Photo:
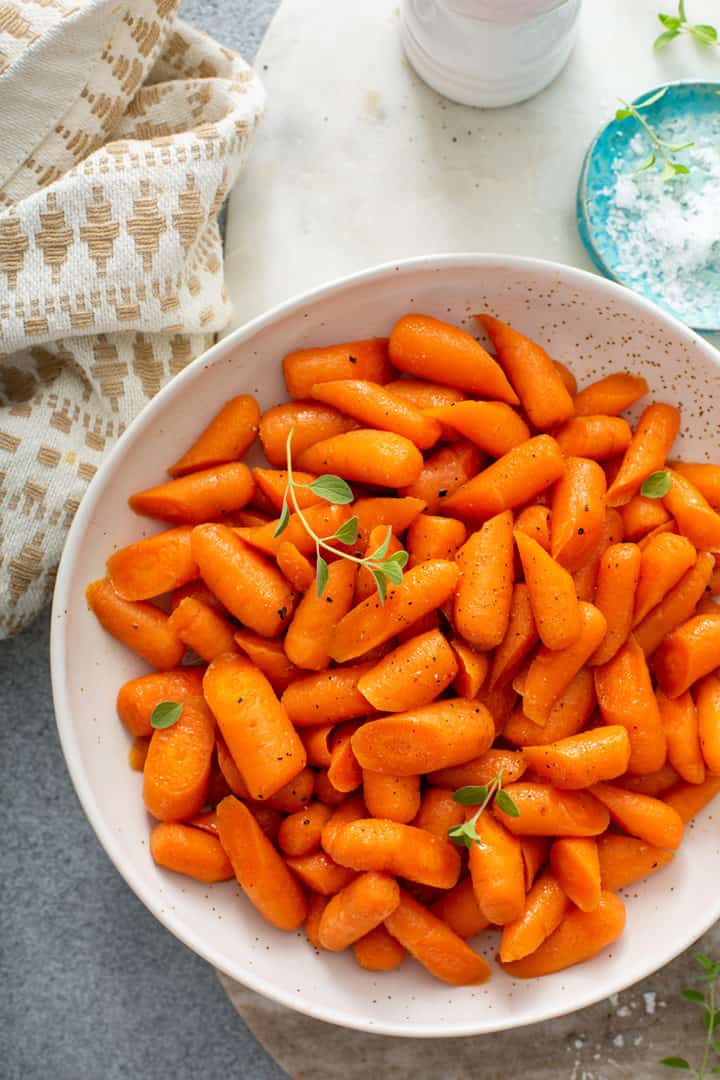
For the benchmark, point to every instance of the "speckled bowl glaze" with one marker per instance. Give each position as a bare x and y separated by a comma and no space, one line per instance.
590,323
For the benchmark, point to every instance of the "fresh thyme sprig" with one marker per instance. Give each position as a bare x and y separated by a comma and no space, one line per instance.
662,148
333,489
709,975
674,25
480,795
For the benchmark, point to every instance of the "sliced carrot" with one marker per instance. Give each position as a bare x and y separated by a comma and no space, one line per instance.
367,359
177,767
136,699
344,772
371,457
520,637
625,696
402,850
307,641
586,577
295,566
434,537
641,516
320,873
643,816
581,760
534,520
535,850
497,871
611,395
269,656
299,833
511,481
552,671
689,799
412,675
576,866
543,911
309,422
316,904
695,516
154,565
438,812
295,794
228,436
434,944
688,653
481,770
384,511
459,909
197,497
323,518
491,425
137,754
396,798
424,395
618,574
327,697
546,811
625,860
198,590
357,909
705,477
677,606
578,512
654,435
378,951
273,485
189,851
472,669
483,597
580,935
654,783
374,406
202,628
352,808
596,437
568,716
443,473
664,561
136,623
567,377
707,697
680,724
551,591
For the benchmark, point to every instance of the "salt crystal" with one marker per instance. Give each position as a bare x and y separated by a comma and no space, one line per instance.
649,999
618,1041
623,1011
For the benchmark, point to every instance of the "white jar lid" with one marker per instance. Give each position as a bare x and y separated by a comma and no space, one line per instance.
502,11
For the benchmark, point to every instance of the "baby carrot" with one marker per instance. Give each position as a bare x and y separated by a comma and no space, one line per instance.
295,794
189,851
654,783
514,479
371,457
537,381
198,590
226,438
412,675
434,944
695,516
177,767
316,904
552,671
249,585
378,951
596,437
202,628
481,608
357,909
611,395
154,565
481,770
688,653
654,435
443,473
581,760
430,349
551,591
586,577
138,624
580,935
665,559
546,811
136,699
137,754
543,911
320,873
459,909
402,850
497,871
254,724
272,483
260,870
197,497
299,833
569,381
422,394
618,575
689,799
625,859
434,537
423,589
677,606
568,716
680,723
365,584
576,866
396,798
344,772
268,655
381,511
352,808
365,359
643,816
578,512
323,518
535,850
491,425
309,422
705,477
327,697
375,407
625,696
534,520
520,637
307,641
438,812
642,516
707,697
431,737
472,669
295,566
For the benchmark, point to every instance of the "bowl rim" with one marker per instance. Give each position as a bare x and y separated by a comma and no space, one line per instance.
59,644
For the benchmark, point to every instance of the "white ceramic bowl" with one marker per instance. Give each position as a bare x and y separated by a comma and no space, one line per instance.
593,325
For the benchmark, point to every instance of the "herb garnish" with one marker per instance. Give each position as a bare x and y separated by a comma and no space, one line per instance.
657,484
165,714
480,795
662,148
709,975
674,25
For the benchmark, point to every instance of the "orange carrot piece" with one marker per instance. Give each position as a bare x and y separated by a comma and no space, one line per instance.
676,607
272,484
500,702
443,473
189,851
366,359
551,591
372,513
669,526
695,516
374,406
654,783
228,437
534,521
611,395
596,437
299,833
177,767
688,653
357,909
434,537
520,637
249,585
654,435
316,904
586,577
641,516
327,697
705,477
543,911
424,395
568,716
320,873
481,770
512,480
491,425
533,374
459,909
689,799
664,561
643,816
295,566
309,422
497,871
295,794
552,671
371,457
352,808
434,944
365,584
197,497
344,772
576,865
136,623
535,850
323,518
618,575
307,641
481,608
625,696
202,628
153,566
438,812
578,512
580,935
396,798
546,811
412,675
567,377
625,860
268,655
680,723
472,669
378,951
582,760
136,699
137,754
198,590
393,848
707,697
430,349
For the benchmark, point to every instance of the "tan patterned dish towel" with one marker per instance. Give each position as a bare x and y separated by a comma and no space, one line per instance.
121,132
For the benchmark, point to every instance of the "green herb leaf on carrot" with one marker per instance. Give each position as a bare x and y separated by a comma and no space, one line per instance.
480,795
165,714
657,484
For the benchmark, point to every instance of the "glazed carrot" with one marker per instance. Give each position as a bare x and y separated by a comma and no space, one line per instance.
375,512
578,512
272,483
714,584
625,696
192,852
546,811
424,395
309,422
680,723
365,584
136,699
551,672
197,497
228,436
580,935
248,584
344,772
357,909
316,743
586,577
443,473
459,909
374,406
491,425
138,624
677,606
695,516
434,537
665,559
533,374
307,642
581,760
320,873
378,951
481,770
198,590
689,799
323,518
617,578
568,716
576,865
434,944
260,870
520,637
402,850
412,675
365,359
430,349
472,669
396,798
707,605
543,911
551,592
431,737
669,526
534,850
295,566
534,521
654,783
154,565
512,480
254,724
641,516
228,768
688,653
707,698
137,754
500,702
316,904
295,794
423,589
327,697
643,816
299,833
596,437
610,395
654,435
202,628
352,808
625,859
439,812
205,820
371,457
497,871
567,377
481,608
269,656
703,476
177,767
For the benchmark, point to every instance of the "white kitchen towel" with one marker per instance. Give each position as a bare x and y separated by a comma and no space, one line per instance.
121,131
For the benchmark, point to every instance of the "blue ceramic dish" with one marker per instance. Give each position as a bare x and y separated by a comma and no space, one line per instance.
660,238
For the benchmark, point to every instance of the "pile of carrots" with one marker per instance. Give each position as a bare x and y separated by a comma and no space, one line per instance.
554,634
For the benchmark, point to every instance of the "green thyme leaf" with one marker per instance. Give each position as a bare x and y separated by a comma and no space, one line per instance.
284,520
623,114
675,1063
379,554
504,802
665,38
165,714
399,557
381,583
657,485
464,834
348,531
707,35
471,794
692,995
393,572
332,489
321,574
670,22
